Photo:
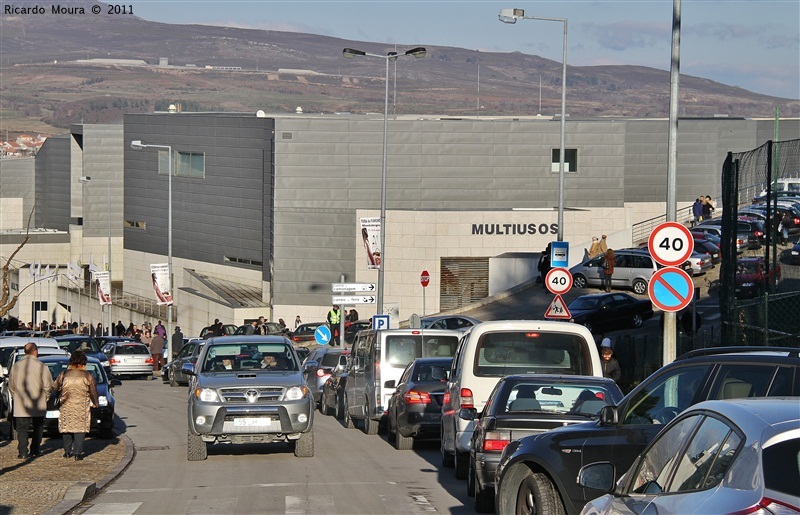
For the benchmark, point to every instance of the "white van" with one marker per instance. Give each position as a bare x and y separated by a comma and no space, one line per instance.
379,356
9,344
492,350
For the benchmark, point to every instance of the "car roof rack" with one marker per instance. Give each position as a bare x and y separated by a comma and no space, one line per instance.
793,352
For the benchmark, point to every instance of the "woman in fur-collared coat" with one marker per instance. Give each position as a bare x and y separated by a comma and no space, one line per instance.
78,391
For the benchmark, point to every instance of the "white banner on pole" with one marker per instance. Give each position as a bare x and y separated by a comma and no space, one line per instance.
371,237
102,281
161,283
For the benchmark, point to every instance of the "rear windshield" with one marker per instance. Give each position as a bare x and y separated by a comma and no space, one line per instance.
783,472
87,345
531,352
403,349
92,368
132,349
249,356
330,359
574,399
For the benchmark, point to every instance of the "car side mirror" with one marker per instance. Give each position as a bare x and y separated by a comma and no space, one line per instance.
188,369
390,384
597,476
609,416
310,365
467,413
115,382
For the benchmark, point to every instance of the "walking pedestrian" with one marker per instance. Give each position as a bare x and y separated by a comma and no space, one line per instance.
334,317
157,351
177,341
697,211
30,383
78,391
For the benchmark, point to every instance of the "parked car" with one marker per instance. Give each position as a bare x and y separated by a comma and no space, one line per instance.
794,254
707,236
457,322
271,327
701,263
599,312
305,332
351,330
131,359
752,277
227,329
10,344
319,366
415,407
523,405
544,467
188,354
87,344
237,399
491,350
12,355
703,246
331,401
739,456
381,355
102,416
633,269
744,238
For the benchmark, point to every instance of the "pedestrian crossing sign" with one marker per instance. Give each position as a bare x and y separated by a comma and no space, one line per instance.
558,309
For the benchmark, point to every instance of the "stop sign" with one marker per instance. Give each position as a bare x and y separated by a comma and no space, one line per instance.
425,278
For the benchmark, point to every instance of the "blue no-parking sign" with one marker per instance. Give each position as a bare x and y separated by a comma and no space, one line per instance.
322,335
670,289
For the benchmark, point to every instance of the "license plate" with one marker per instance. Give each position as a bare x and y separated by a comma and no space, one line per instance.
251,422
132,360
52,414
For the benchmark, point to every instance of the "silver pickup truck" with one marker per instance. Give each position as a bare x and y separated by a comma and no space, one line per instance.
248,389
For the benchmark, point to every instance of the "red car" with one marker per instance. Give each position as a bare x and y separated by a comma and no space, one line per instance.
752,278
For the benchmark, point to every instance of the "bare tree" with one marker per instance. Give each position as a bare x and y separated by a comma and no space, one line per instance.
7,304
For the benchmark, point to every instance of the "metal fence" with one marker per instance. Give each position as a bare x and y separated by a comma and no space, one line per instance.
772,315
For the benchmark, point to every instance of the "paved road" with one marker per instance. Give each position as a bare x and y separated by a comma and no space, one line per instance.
350,472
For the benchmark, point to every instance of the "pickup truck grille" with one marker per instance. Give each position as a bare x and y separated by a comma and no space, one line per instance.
252,394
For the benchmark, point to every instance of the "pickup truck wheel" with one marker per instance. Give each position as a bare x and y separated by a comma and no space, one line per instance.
304,446
172,382
348,420
537,495
471,479
370,426
462,464
448,460
339,408
196,449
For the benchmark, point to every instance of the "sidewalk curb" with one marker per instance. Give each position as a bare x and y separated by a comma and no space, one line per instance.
85,490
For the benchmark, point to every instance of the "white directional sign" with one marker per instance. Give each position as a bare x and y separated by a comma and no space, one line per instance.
354,287
558,280
353,299
670,244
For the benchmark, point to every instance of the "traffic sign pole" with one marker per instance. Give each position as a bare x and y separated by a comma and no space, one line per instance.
424,279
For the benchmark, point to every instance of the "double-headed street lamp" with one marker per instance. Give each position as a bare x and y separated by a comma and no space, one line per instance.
350,53
138,145
86,180
511,16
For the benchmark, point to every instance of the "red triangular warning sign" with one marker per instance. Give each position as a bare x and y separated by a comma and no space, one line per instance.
557,309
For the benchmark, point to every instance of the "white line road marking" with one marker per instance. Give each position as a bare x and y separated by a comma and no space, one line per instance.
311,504
258,485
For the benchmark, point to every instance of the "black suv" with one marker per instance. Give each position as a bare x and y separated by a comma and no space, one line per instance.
546,465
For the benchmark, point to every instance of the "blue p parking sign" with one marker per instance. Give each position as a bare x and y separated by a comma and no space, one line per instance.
380,322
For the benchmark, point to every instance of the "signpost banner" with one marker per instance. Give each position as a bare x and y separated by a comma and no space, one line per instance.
102,281
351,287
371,238
161,283
352,299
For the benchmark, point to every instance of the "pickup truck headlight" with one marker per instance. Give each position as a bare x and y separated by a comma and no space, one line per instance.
105,364
206,395
102,400
295,393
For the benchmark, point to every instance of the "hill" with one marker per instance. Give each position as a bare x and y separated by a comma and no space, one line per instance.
46,86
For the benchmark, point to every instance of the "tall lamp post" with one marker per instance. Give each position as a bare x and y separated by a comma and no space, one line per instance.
86,180
350,53
511,16
138,145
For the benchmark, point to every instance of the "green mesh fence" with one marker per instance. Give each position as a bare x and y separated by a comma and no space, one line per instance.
759,288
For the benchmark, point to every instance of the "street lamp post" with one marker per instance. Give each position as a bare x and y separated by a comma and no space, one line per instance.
86,180
138,145
511,16
350,53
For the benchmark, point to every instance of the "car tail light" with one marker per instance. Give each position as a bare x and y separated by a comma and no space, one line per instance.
466,398
767,506
115,361
758,234
321,373
415,397
446,399
149,360
496,441
796,221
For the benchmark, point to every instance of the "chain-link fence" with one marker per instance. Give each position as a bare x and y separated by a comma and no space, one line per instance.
759,287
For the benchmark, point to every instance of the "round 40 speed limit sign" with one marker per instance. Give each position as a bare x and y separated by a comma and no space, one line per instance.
558,280
671,244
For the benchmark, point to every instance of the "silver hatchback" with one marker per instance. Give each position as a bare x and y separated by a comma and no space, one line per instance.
129,359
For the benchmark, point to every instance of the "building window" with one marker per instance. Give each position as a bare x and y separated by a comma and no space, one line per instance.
135,224
570,159
241,261
185,164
